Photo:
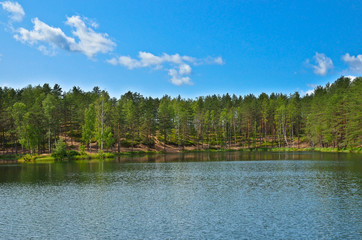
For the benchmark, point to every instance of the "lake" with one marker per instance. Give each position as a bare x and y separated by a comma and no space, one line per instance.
235,195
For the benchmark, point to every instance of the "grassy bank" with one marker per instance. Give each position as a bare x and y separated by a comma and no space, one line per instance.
76,156
344,150
109,155
283,149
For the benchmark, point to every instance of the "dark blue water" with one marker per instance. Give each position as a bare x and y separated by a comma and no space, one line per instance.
192,196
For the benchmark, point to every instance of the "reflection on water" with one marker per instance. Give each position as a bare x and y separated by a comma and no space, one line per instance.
196,195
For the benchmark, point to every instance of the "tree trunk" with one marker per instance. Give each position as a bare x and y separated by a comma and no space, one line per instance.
119,137
3,142
265,133
102,125
164,145
292,136
49,140
248,136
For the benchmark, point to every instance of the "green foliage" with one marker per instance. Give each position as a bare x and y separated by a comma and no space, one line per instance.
128,143
165,116
89,124
60,151
148,142
33,118
28,158
82,150
71,154
109,155
108,137
101,154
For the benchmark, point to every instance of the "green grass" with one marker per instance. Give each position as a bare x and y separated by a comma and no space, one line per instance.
282,149
27,158
345,150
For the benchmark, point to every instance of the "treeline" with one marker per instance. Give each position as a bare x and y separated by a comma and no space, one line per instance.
33,119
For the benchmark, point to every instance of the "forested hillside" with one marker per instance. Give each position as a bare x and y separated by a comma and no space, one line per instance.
34,118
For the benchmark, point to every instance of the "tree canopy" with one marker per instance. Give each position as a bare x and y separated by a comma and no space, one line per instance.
34,118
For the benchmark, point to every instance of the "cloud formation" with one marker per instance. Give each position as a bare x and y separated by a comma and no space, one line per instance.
354,62
42,32
322,64
89,42
84,39
352,78
15,9
177,66
180,76
309,92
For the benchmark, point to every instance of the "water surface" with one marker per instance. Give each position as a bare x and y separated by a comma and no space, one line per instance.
185,196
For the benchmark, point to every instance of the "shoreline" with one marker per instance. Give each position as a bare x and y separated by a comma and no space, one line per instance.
24,158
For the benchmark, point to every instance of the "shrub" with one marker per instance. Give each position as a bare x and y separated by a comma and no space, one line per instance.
138,139
28,158
109,155
82,150
213,142
70,154
189,143
128,143
60,151
148,142
101,154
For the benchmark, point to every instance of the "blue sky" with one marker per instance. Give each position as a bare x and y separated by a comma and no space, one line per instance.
175,47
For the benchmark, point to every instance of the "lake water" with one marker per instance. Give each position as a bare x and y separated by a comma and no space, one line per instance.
185,196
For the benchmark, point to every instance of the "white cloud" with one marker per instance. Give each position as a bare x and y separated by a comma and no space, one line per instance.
352,78
90,42
188,59
148,59
47,51
211,60
113,61
322,64
185,69
178,66
308,92
15,9
178,78
129,62
312,85
219,60
47,34
354,62
181,76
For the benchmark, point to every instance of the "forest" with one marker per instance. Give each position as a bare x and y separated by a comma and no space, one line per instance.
35,118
